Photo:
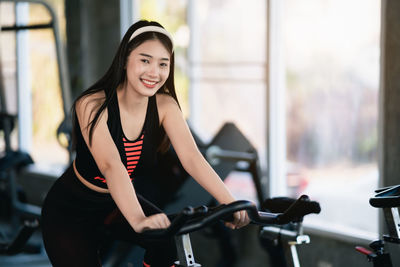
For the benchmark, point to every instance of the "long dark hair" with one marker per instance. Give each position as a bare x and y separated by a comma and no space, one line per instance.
116,75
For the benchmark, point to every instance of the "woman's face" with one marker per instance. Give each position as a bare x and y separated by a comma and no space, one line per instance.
147,67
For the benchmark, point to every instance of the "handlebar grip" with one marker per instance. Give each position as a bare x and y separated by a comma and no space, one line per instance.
301,207
220,212
277,204
179,220
177,223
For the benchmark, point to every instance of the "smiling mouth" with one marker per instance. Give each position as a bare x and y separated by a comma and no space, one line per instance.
149,83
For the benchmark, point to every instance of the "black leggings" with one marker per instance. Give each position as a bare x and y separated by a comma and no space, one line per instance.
74,228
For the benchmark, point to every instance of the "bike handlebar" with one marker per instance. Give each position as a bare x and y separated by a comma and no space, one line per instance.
191,219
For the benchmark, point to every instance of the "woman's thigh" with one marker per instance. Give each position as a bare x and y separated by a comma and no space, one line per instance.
71,246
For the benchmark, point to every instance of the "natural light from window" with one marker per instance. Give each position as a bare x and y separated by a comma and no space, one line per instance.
331,53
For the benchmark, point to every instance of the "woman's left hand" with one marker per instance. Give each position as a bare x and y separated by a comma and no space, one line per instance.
240,219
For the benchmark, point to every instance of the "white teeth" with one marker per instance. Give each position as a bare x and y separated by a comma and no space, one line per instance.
149,82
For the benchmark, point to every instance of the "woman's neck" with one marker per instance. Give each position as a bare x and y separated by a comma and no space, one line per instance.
130,100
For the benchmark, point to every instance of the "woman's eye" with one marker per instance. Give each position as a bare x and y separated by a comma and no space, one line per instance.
145,60
164,65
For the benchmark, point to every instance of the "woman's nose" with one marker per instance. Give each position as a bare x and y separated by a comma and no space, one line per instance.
153,70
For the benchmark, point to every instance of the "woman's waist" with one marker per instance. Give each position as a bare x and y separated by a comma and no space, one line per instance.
88,184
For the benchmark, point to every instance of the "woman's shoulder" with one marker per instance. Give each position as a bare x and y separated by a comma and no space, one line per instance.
91,101
165,101
166,104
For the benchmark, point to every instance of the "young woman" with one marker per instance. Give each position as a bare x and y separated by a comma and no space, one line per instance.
120,124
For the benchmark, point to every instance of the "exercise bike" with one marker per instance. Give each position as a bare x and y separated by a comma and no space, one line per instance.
388,199
280,241
193,219
23,216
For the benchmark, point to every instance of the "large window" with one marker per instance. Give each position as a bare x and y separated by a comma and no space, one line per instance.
331,54
228,75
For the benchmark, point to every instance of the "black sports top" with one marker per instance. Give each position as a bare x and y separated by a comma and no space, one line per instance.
138,156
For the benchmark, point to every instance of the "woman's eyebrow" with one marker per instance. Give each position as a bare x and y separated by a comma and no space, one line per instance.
149,56
145,55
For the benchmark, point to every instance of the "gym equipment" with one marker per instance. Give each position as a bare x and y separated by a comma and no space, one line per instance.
13,161
193,219
24,217
15,246
17,208
65,128
280,241
388,199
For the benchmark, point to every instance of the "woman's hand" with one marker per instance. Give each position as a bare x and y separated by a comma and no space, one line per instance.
240,219
156,221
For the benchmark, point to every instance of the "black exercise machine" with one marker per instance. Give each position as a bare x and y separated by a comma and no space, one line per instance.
23,217
385,251
281,240
193,219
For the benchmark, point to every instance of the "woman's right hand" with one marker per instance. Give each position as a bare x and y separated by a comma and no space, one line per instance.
156,221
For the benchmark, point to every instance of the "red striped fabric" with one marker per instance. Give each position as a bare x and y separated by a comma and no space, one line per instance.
133,153
133,150
126,143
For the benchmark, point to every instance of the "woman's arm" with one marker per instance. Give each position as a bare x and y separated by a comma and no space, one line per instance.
189,155
108,160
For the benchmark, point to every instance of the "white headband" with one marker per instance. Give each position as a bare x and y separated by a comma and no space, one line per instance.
151,29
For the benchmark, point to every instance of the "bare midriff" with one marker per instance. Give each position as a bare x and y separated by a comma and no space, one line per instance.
88,184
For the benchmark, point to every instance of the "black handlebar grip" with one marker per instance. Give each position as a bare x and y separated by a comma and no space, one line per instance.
277,204
301,207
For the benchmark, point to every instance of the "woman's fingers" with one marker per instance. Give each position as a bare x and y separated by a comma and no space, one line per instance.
160,221
240,219
244,219
156,221
230,225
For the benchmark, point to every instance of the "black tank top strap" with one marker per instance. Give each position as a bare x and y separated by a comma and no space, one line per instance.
114,121
152,119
